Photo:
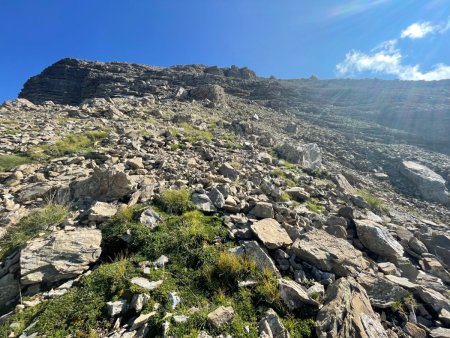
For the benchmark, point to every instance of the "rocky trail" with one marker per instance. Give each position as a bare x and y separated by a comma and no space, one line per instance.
197,201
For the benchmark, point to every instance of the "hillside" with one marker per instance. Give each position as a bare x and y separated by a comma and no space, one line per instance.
196,201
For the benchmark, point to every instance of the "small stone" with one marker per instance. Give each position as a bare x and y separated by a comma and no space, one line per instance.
135,163
116,308
141,320
139,301
294,295
221,316
150,218
228,171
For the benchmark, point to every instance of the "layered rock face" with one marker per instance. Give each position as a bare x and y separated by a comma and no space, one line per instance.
71,81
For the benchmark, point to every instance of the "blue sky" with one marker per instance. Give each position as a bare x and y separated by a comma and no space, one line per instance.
389,39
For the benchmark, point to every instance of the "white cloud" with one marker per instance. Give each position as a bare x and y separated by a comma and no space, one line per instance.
418,30
387,59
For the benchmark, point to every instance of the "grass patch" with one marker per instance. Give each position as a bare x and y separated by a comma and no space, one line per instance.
177,146
70,144
176,201
200,269
7,122
192,134
286,164
314,206
372,200
8,162
285,197
299,328
277,173
37,221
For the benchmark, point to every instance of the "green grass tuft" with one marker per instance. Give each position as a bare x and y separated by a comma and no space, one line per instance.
314,206
37,221
176,201
372,200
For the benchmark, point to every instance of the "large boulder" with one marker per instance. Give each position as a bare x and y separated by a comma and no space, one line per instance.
262,210
329,253
211,92
347,313
271,234
106,184
429,184
60,255
438,245
309,155
377,239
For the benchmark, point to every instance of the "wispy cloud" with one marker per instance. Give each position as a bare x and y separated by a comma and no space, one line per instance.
353,7
387,58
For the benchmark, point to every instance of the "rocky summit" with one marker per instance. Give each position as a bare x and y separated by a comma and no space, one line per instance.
197,201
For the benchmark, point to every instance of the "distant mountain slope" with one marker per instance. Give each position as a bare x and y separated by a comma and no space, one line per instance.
419,110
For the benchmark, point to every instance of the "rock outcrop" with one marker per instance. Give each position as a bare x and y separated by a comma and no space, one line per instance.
347,313
61,255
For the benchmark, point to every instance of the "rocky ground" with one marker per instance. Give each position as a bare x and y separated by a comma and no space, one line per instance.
180,205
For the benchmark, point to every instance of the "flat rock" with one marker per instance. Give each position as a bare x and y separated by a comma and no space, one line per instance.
309,155
440,332
145,283
433,298
329,253
228,171
203,203
271,234
60,255
150,218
